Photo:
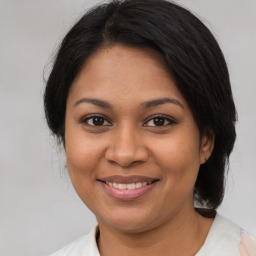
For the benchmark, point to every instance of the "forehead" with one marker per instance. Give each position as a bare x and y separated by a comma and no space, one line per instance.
125,73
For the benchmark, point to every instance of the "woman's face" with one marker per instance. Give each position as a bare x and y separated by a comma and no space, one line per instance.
132,146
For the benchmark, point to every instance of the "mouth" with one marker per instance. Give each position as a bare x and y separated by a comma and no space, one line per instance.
129,185
127,188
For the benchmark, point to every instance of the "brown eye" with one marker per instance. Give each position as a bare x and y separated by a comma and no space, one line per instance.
96,121
159,121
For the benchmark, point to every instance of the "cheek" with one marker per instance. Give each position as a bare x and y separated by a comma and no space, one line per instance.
80,149
82,161
179,158
83,156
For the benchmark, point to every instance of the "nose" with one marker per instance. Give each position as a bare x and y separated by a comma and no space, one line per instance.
126,148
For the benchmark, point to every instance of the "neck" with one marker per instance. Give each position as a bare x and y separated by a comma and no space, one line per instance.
184,235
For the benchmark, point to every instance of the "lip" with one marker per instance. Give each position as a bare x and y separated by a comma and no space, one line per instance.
127,194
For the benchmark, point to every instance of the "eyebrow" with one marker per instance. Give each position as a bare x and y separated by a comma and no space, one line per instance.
97,102
156,102
147,104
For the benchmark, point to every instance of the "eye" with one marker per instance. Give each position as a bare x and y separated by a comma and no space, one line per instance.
159,121
96,120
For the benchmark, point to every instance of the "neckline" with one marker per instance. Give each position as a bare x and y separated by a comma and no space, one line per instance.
209,235
223,237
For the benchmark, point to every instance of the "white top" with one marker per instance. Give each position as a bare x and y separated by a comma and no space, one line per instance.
223,239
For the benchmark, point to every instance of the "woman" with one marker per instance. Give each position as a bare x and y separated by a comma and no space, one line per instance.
140,97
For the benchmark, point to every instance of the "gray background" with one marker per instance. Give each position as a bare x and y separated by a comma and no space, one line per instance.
39,211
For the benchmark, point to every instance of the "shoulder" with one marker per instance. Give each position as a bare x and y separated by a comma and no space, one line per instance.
84,245
74,248
224,230
225,239
247,245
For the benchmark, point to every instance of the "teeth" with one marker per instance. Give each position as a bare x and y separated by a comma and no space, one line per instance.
128,186
131,186
122,186
138,185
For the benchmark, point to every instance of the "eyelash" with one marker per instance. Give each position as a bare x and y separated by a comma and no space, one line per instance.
166,119
91,117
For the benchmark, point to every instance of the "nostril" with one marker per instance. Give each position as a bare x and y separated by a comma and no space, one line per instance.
126,157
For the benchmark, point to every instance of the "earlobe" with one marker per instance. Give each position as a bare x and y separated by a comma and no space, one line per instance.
206,147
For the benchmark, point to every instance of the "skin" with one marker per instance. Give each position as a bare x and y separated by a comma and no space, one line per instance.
130,143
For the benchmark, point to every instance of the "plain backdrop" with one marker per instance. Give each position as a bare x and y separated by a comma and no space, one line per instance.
39,210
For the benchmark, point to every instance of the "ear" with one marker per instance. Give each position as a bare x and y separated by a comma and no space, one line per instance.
206,146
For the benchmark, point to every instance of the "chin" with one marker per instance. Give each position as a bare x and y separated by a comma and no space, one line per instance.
130,223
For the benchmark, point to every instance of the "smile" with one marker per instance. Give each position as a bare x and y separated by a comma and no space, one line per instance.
127,188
